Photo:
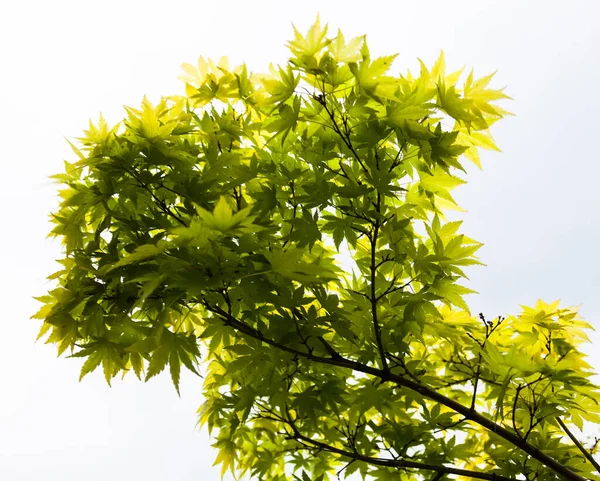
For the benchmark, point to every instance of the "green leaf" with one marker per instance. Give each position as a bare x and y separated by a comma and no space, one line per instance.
290,265
141,253
137,364
312,43
175,369
281,90
91,363
222,218
158,361
346,52
453,104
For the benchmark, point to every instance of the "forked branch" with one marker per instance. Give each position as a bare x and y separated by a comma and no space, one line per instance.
425,391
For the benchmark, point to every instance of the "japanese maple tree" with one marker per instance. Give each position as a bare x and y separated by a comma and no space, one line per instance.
290,227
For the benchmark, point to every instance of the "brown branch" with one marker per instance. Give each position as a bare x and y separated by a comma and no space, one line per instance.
425,391
392,463
294,211
476,383
584,451
345,138
514,411
376,325
391,289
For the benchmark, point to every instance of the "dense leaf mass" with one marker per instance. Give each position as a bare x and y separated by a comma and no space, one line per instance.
293,225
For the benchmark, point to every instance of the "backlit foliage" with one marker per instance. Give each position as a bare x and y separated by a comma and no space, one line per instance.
216,218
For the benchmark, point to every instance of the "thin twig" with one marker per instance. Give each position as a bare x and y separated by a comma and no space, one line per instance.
161,203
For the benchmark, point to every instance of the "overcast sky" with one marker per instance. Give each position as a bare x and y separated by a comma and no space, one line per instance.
535,205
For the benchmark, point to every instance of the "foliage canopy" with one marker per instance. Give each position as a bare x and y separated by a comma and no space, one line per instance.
217,219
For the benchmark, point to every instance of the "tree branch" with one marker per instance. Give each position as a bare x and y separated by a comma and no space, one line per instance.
475,383
425,391
376,326
391,289
161,203
336,128
584,451
390,463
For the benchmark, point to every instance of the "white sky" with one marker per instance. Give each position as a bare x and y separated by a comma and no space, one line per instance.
535,205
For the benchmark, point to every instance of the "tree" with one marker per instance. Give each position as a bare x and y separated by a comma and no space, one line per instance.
293,224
